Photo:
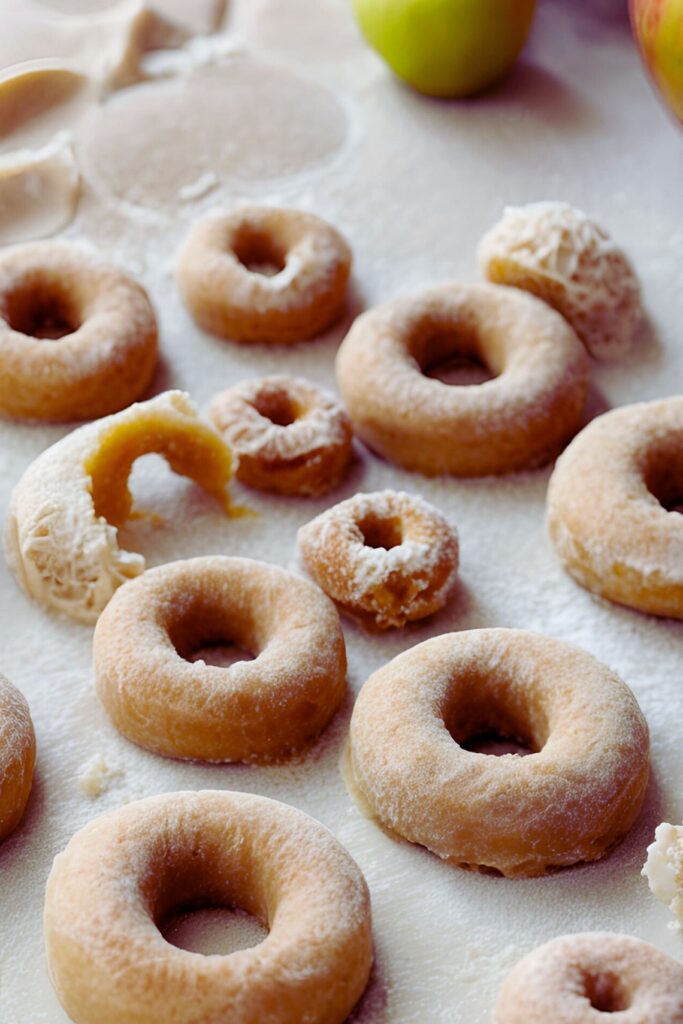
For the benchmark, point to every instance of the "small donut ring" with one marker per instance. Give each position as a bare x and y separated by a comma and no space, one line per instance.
519,420
61,531
252,711
289,436
580,979
387,557
570,800
608,507
17,756
122,875
106,350
221,274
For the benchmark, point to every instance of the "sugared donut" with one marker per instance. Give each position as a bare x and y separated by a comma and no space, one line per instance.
558,253
17,756
387,557
78,337
664,869
570,800
288,435
264,274
580,979
121,876
609,502
61,530
251,711
522,418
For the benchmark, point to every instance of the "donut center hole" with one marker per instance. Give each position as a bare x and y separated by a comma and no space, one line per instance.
460,370
41,312
276,406
605,993
380,532
451,354
664,477
496,743
486,716
220,655
212,930
258,252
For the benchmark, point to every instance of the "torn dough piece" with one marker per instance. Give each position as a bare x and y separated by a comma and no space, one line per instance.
664,869
61,530
38,191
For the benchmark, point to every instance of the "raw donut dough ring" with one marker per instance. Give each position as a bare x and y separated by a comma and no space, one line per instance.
522,418
227,298
607,507
289,436
17,756
107,358
569,801
256,710
60,534
387,557
126,871
580,979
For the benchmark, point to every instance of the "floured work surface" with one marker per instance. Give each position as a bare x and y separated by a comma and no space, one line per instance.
289,107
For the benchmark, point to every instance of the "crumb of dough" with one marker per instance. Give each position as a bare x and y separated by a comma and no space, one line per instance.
97,776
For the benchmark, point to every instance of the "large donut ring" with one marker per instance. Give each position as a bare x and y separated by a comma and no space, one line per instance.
103,349
387,557
60,535
17,756
570,800
222,274
252,711
608,507
521,419
289,436
580,979
121,876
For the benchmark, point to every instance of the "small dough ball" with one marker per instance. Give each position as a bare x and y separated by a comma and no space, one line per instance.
558,253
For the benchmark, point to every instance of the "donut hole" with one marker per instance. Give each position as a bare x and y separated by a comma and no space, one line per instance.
258,251
489,716
41,310
220,655
605,993
277,406
202,633
496,743
451,353
212,930
381,531
663,474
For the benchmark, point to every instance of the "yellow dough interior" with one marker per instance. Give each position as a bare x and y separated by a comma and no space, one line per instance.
191,449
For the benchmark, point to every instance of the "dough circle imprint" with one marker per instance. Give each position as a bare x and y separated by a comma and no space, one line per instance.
570,800
289,436
387,557
608,507
17,756
122,875
580,979
522,418
251,711
222,274
78,337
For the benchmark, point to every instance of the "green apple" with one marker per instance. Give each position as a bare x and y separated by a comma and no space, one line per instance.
447,48
658,28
